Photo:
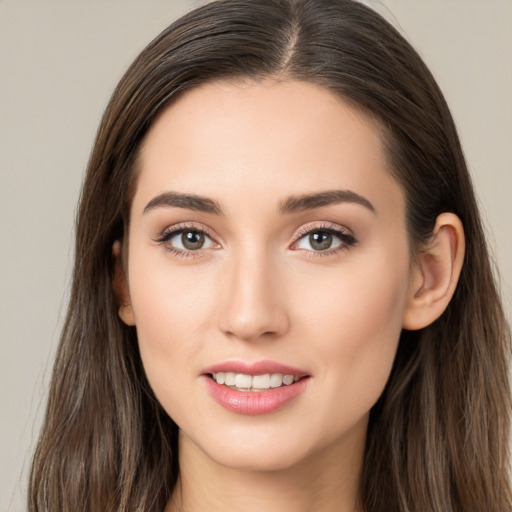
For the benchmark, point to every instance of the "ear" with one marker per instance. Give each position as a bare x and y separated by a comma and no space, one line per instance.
436,273
120,286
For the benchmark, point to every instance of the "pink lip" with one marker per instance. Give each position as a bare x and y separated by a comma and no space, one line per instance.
258,368
253,403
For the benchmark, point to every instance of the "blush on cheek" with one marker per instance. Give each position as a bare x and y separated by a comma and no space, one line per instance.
368,323
170,333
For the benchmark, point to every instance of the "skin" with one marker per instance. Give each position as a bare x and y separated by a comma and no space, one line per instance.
258,290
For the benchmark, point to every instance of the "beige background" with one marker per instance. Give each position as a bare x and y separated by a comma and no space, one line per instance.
59,61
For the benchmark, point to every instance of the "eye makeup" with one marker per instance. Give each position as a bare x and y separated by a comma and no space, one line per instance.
190,240
324,240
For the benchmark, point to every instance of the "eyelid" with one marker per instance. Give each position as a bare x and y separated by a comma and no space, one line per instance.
171,231
185,226
321,226
343,233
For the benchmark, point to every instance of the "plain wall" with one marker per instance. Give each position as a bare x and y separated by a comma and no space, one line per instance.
59,62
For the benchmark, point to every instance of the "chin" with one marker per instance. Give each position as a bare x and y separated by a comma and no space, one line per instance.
255,460
249,451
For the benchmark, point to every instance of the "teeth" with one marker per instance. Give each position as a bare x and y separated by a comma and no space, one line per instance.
253,382
288,379
261,381
276,380
243,381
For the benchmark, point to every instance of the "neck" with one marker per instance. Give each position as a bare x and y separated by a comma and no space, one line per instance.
327,481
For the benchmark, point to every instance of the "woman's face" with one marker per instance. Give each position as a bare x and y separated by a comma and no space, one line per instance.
267,242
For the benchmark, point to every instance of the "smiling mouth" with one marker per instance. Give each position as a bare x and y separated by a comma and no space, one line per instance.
245,382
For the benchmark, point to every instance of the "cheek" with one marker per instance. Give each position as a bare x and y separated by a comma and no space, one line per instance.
171,310
355,326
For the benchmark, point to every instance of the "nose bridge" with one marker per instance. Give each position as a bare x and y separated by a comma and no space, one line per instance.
254,305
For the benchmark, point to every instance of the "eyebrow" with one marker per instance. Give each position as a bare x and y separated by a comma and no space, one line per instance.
310,201
292,204
187,201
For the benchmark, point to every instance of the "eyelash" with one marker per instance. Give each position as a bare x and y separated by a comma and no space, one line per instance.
170,233
345,236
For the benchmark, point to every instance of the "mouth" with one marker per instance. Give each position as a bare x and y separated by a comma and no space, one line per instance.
254,388
254,383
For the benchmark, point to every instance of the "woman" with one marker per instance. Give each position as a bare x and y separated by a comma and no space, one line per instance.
282,296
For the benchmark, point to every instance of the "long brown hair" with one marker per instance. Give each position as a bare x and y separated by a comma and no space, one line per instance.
438,436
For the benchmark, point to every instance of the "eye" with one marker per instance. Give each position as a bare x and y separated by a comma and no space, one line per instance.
190,240
185,240
324,240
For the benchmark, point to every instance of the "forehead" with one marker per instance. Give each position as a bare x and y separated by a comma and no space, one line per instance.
226,139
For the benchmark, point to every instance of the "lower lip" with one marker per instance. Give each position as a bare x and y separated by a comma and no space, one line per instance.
252,403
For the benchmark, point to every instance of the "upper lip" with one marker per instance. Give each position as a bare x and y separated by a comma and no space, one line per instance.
256,368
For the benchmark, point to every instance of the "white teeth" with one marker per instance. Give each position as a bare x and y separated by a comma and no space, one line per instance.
288,379
261,381
276,380
254,382
243,381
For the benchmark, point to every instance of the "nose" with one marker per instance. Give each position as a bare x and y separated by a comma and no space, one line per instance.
254,306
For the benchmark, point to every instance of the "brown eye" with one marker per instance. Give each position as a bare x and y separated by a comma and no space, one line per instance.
186,240
320,240
324,240
192,240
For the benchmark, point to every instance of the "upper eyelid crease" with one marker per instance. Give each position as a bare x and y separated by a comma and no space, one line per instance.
341,232
335,228
180,228
344,234
302,232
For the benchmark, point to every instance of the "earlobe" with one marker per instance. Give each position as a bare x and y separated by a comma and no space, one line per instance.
120,286
436,273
